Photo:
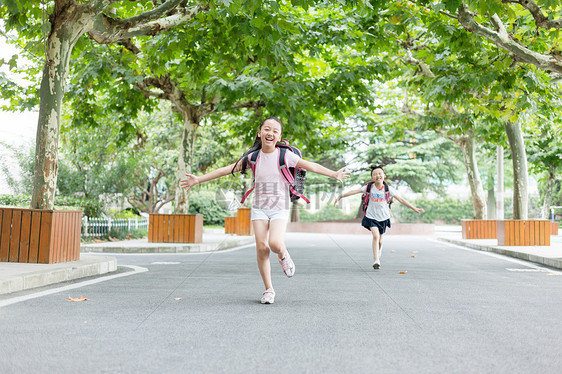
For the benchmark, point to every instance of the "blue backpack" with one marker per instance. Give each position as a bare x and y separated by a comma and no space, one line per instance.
294,176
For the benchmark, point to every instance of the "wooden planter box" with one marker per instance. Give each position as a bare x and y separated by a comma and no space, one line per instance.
39,236
524,233
553,228
230,225
175,228
479,229
239,225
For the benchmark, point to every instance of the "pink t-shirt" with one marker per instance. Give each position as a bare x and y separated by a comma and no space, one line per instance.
272,191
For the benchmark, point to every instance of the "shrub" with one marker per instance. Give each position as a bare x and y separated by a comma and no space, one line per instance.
20,201
448,210
204,202
91,208
327,213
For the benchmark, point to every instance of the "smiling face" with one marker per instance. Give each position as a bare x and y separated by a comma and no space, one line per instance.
270,134
377,176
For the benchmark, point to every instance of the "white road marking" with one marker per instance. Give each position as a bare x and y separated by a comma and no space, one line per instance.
528,270
174,253
499,256
19,299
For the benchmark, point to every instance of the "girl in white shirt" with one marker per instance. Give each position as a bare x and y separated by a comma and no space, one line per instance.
270,208
377,212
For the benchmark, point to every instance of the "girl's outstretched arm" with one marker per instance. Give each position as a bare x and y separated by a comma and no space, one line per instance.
192,180
346,194
317,168
405,202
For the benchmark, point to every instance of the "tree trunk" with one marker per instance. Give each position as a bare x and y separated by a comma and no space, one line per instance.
295,211
66,27
500,214
520,172
491,204
547,201
185,160
467,146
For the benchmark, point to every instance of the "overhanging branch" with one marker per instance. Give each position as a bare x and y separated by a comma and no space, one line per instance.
501,38
107,30
541,20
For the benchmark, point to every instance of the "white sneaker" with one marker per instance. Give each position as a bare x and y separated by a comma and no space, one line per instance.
377,265
288,265
268,296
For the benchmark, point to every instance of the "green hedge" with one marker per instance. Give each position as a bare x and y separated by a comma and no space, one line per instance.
91,208
204,202
447,210
327,213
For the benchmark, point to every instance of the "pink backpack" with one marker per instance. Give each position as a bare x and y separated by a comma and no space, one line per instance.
294,176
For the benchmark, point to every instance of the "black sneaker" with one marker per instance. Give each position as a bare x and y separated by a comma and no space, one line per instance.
377,265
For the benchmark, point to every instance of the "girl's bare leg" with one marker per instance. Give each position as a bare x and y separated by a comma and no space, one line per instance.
277,229
261,231
376,239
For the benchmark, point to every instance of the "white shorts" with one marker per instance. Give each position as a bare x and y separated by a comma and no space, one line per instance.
270,214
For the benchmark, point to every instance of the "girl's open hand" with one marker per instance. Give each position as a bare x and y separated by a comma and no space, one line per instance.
189,182
342,174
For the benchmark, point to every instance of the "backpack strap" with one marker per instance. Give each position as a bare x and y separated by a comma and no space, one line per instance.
283,166
387,194
252,161
366,196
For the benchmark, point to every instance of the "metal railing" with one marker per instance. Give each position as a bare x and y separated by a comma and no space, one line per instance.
98,227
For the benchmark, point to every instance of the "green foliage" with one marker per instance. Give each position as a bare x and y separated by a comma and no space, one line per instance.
119,234
19,201
446,210
327,213
25,159
204,202
90,208
122,214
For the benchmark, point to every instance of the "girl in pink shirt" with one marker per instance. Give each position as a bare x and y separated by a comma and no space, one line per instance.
270,208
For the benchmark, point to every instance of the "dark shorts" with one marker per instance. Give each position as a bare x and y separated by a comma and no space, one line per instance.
381,225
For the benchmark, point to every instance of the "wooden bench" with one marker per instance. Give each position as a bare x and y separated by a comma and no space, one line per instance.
554,228
479,229
524,232
175,228
39,236
239,225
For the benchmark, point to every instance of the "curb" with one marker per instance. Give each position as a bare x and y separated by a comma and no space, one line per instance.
38,275
552,262
119,247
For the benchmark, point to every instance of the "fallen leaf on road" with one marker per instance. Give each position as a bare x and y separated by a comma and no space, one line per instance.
81,298
413,256
414,251
392,251
403,272
177,298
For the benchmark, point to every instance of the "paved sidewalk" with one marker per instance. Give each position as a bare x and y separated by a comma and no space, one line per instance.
15,277
213,240
545,255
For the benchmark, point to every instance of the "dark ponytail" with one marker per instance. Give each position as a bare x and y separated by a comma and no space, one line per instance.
255,147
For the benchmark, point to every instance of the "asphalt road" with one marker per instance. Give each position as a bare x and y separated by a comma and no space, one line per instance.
452,310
